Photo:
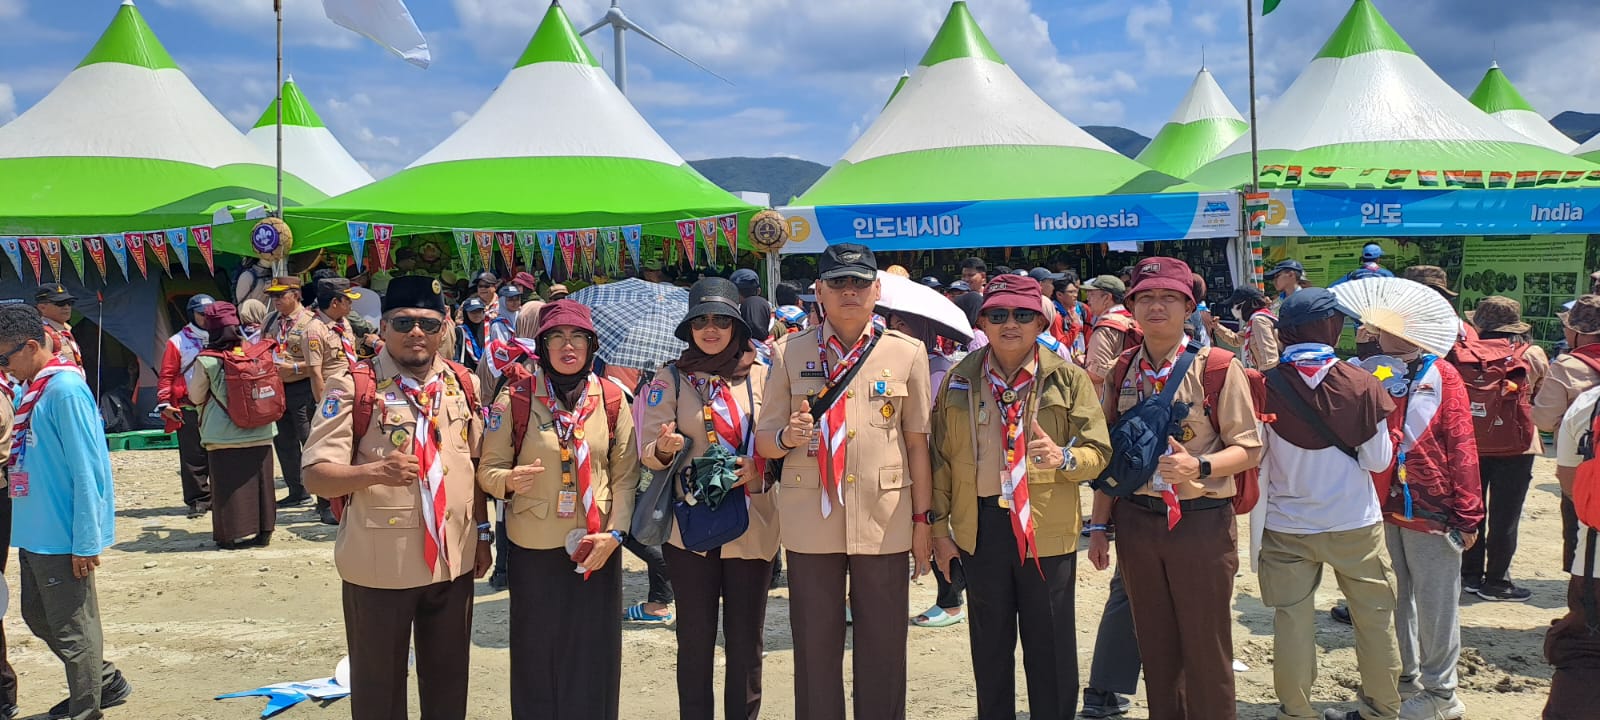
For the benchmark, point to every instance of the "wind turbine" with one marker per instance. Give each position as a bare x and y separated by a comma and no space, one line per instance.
620,24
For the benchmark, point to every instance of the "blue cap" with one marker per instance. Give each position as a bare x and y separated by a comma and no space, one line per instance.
960,285
199,302
509,291
1309,305
1372,251
745,277
472,304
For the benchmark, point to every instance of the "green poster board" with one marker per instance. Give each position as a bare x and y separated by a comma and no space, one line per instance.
1541,272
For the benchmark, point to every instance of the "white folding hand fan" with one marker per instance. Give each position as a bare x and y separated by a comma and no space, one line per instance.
1408,309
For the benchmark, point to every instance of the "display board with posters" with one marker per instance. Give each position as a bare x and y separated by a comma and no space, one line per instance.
1327,259
1542,272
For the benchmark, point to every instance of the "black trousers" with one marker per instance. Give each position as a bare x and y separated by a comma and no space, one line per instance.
566,637
880,588
194,464
1569,533
738,588
1505,487
951,590
1007,595
8,675
656,564
293,429
1115,667
378,627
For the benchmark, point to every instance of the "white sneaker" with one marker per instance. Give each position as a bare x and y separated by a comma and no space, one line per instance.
1428,706
1410,687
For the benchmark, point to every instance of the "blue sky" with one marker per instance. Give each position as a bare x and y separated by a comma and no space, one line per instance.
809,75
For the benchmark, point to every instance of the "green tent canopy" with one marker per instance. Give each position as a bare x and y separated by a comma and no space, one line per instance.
1204,124
126,142
964,127
1497,96
556,146
1366,106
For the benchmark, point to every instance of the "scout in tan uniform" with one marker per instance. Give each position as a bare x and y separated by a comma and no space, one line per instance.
338,345
571,490
55,304
1177,544
410,542
291,326
715,387
1009,489
854,519
1257,340
1112,322
1571,373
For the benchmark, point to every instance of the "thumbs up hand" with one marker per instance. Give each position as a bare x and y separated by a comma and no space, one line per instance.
800,427
1043,452
1178,465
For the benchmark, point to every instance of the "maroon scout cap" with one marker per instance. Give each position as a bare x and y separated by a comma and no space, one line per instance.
1018,292
1162,273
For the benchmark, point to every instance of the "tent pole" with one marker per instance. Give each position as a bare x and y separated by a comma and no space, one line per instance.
1250,41
277,6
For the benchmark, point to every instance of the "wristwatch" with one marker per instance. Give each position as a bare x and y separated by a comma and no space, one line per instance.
485,534
1068,462
1205,466
924,518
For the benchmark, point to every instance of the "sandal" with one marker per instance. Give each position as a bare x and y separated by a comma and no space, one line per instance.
936,617
637,613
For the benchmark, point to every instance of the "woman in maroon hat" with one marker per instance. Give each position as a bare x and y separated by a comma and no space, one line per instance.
569,481
243,510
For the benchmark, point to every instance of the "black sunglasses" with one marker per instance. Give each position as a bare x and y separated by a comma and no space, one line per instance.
852,283
1000,316
404,325
5,360
721,322
62,303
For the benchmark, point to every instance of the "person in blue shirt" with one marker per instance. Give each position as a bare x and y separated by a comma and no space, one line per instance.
59,479
1370,255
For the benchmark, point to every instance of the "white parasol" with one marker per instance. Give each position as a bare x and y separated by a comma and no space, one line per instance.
907,297
1410,310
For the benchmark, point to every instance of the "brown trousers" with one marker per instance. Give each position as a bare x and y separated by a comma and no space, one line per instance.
1180,584
566,637
1575,653
378,627
739,587
880,588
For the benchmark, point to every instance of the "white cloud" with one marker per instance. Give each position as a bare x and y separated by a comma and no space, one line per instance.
12,9
8,104
304,22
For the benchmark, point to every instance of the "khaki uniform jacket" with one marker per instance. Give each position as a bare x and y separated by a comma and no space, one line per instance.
533,521
876,517
328,348
381,538
302,335
1237,417
63,344
666,401
967,426
8,414
1567,379
1264,349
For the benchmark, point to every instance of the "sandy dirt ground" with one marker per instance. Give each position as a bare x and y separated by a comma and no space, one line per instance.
186,622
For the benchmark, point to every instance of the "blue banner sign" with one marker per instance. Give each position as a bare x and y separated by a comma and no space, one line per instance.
1419,213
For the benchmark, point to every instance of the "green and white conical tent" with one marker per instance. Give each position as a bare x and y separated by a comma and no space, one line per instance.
556,146
1589,150
1497,96
1367,105
126,142
1204,124
964,127
310,151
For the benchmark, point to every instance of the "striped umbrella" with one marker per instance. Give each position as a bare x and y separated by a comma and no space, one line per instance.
635,321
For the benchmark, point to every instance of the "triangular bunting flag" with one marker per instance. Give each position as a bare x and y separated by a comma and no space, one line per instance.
588,241
74,247
686,230
52,252
382,242
157,241
358,241
569,248
97,253
633,237
611,249
730,234
464,250
13,249
547,248
508,249
527,241
179,238
136,251
119,251
30,247
708,236
485,240
202,240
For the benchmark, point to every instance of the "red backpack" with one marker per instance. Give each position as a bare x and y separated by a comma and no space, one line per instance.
522,391
1497,376
250,375
1132,336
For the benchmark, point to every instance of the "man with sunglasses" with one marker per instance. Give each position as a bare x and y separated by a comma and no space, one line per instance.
59,479
55,306
415,529
857,488
299,356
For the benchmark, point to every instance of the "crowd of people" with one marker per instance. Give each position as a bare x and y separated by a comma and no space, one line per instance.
485,438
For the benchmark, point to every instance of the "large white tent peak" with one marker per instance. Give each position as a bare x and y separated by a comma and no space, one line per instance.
1497,96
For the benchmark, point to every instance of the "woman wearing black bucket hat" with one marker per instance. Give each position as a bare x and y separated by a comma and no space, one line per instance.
714,390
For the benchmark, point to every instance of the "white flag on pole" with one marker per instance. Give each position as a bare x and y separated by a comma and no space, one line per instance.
385,22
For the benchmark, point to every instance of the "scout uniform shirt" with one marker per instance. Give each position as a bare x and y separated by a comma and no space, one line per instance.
1568,378
327,346
1257,342
666,400
969,449
299,339
62,344
1105,343
383,533
1235,410
541,518
889,396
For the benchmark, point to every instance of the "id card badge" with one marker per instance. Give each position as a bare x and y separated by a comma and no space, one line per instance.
18,486
567,504
1008,487
815,444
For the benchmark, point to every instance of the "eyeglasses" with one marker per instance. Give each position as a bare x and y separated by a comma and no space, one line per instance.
405,324
850,283
721,322
1001,316
5,360
577,340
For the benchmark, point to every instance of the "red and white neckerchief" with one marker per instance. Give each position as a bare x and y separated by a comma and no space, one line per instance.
1312,360
66,345
569,430
830,462
726,417
425,442
1158,379
503,354
191,340
1014,481
346,343
1249,330
282,328
23,420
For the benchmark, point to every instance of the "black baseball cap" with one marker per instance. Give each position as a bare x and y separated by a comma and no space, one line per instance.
1309,305
847,260
1043,274
1286,265
52,293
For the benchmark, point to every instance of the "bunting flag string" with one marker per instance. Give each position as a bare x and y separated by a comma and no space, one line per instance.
52,252
730,234
708,236
157,241
569,248
527,241
358,232
179,239
485,241
136,251
202,240
74,247
686,238
118,242
633,237
97,252
13,248
464,249
587,241
547,249
383,240
508,249
30,247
